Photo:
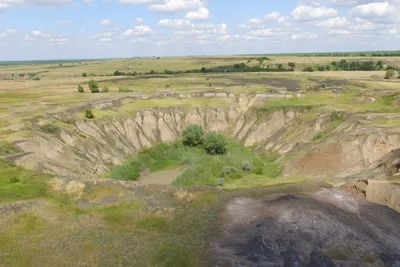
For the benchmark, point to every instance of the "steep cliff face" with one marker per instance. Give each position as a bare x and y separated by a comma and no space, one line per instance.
91,147
350,150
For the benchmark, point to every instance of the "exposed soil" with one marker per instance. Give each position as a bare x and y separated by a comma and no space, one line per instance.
290,85
162,177
327,228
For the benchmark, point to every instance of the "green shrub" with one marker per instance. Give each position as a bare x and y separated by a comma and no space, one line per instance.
216,144
89,114
124,90
390,74
205,171
48,128
84,74
247,166
228,170
308,69
193,135
220,182
127,172
94,86
14,180
258,170
80,89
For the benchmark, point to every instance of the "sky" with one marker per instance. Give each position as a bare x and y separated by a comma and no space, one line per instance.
73,29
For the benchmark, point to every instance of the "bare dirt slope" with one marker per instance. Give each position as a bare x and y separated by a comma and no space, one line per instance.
325,229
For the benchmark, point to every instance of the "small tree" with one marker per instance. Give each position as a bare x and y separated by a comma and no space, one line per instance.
94,86
308,69
106,89
292,65
193,135
84,74
89,114
216,144
390,74
80,89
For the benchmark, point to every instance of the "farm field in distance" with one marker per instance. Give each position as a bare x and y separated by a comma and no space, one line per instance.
94,170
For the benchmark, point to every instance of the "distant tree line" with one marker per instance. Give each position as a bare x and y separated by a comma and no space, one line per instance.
242,67
353,54
344,65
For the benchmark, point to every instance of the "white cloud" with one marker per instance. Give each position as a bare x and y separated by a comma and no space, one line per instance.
224,38
254,21
59,41
139,21
39,34
308,13
102,35
338,32
267,32
374,10
106,39
139,2
258,23
333,22
349,3
203,33
7,33
304,36
40,3
63,21
273,16
165,42
202,13
105,22
174,23
141,30
170,6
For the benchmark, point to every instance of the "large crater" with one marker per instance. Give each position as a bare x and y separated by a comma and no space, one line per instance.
315,143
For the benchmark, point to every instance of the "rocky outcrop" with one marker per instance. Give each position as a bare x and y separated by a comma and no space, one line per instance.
380,192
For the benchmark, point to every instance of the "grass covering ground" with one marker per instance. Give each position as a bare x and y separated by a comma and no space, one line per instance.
200,168
17,183
129,233
349,101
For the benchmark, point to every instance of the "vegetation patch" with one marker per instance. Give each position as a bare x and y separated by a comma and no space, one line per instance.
153,224
285,105
49,128
336,121
124,90
173,254
17,183
7,148
206,166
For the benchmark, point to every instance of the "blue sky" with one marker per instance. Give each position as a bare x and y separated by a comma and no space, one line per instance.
64,29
